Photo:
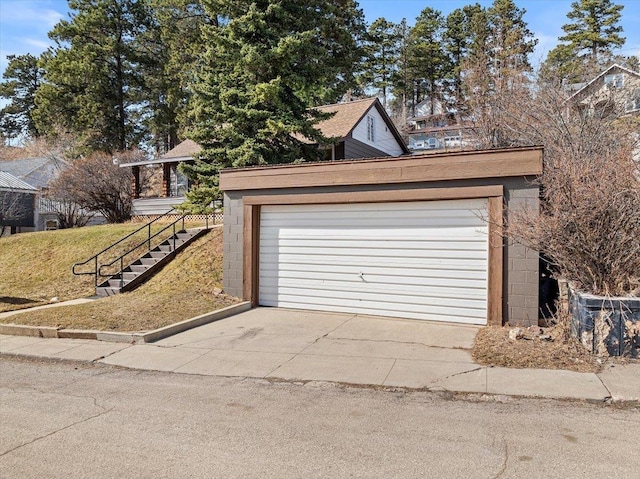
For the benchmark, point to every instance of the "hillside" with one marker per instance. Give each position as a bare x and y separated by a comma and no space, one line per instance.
37,267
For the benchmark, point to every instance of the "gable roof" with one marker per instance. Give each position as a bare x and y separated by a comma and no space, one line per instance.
349,114
10,182
346,117
601,75
185,149
21,168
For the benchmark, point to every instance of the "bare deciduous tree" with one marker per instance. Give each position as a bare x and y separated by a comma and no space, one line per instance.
589,221
97,183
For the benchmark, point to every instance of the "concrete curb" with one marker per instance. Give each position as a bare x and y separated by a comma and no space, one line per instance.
146,337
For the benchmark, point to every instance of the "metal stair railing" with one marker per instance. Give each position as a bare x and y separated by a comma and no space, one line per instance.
97,267
147,241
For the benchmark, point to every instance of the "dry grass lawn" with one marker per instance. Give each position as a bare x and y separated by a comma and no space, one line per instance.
36,267
492,347
187,287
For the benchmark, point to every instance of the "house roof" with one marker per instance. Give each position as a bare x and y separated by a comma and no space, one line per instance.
185,149
601,75
21,168
341,124
347,116
10,182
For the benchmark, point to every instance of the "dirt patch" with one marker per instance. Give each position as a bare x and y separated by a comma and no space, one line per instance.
493,347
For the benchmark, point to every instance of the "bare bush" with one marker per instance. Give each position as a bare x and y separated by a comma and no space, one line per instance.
97,183
589,221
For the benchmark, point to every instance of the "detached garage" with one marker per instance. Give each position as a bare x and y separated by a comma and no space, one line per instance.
415,237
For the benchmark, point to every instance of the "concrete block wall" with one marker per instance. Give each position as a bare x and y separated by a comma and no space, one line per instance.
232,244
521,266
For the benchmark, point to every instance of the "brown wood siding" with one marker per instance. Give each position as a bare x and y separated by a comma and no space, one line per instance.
357,149
405,169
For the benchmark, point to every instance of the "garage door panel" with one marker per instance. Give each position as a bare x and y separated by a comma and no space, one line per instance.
440,251
372,276
423,260
453,244
409,311
344,263
337,287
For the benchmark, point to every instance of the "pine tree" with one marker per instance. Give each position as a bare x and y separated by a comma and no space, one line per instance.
382,49
429,62
266,65
510,41
401,83
22,77
588,42
168,52
497,69
459,37
594,31
93,81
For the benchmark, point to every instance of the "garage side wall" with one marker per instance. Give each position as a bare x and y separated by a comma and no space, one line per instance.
520,264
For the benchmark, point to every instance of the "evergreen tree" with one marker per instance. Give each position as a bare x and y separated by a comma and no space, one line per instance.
401,83
595,31
497,69
460,35
510,40
588,43
168,52
93,78
22,79
428,61
266,65
382,49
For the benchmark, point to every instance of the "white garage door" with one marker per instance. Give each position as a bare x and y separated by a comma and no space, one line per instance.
420,260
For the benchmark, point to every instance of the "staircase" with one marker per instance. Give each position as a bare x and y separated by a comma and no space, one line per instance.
149,253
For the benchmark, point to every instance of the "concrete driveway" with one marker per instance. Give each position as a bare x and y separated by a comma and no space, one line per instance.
313,346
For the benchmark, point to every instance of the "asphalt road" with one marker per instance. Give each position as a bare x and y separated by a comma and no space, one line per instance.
87,421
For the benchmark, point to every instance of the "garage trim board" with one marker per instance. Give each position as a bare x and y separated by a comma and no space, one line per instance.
489,198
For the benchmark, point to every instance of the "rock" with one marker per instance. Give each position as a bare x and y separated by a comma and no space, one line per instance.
54,299
534,330
545,337
217,291
516,333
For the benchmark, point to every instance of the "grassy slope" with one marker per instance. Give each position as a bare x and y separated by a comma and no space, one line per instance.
185,288
35,267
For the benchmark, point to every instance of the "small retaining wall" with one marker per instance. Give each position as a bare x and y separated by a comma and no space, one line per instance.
606,324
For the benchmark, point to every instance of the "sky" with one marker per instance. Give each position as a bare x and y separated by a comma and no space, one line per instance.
24,24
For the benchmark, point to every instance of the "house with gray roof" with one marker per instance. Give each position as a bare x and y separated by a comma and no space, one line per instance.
17,204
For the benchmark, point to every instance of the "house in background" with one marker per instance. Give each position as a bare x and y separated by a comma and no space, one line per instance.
360,129
173,185
616,88
435,128
17,205
38,172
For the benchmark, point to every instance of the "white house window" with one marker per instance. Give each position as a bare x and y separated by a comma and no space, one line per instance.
371,129
178,182
614,81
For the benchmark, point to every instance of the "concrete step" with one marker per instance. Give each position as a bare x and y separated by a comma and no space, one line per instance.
137,268
104,291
